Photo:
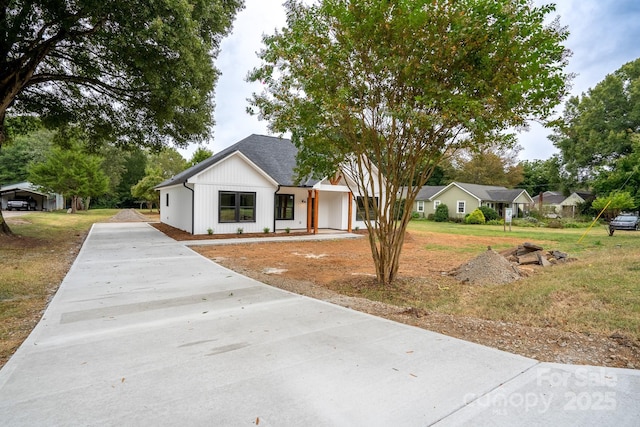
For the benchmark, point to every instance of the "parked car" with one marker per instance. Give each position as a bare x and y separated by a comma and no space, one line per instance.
21,204
624,222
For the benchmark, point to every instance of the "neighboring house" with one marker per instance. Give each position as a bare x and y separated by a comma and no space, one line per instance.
28,191
570,204
423,198
551,203
250,185
462,199
556,204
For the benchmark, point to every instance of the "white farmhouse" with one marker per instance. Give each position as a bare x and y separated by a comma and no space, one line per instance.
250,186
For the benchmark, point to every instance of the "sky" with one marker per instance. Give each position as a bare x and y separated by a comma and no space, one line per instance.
604,35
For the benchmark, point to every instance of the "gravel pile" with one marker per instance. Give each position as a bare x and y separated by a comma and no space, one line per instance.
488,268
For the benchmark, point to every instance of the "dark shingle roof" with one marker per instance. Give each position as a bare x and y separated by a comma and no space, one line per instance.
491,193
505,196
550,198
427,191
275,156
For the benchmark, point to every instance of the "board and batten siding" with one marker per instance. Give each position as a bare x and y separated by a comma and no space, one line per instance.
299,221
233,173
177,212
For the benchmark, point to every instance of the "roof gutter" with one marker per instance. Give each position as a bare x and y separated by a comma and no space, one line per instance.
184,184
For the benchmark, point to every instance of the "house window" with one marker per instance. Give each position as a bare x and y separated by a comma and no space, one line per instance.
462,206
420,206
436,203
236,206
167,199
360,211
284,206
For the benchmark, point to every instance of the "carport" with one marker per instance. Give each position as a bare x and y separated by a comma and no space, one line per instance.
26,191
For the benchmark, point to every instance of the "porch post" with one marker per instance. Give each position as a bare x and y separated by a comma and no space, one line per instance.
309,200
350,211
315,217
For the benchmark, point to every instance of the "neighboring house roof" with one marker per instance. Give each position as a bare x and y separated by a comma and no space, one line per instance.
275,156
428,191
584,195
550,198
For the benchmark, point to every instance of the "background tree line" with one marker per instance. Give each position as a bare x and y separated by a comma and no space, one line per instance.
108,176
597,137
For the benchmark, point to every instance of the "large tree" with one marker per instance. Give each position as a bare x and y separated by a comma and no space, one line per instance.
169,161
623,176
145,191
540,176
25,149
397,85
71,172
598,127
201,154
490,166
130,72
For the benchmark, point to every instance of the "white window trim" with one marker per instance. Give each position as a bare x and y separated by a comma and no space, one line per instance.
464,206
420,206
436,203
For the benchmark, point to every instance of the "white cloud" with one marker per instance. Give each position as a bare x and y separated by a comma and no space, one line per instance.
604,36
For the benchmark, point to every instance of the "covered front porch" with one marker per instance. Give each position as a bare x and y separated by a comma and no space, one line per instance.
312,209
327,210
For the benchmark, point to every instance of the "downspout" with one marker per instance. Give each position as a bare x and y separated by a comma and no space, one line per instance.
274,207
184,184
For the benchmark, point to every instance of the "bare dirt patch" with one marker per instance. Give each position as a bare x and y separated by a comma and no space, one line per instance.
341,272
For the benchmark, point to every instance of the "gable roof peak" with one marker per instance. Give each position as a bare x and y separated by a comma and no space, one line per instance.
274,155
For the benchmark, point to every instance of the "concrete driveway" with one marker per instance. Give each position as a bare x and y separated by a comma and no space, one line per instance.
144,331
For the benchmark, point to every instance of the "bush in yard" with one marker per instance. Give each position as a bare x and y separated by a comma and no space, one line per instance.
475,217
555,223
489,213
442,213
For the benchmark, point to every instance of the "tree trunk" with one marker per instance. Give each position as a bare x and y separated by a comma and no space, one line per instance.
74,204
386,251
4,227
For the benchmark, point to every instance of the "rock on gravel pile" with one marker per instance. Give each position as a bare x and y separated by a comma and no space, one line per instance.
488,268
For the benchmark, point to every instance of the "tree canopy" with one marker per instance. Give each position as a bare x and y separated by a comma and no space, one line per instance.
400,85
614,203
145,191
72,173
25,149
168,162
491,166
541,175
201,154
598,127
130,72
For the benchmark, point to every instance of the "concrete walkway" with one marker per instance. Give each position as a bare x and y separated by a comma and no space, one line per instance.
145,332
324,235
